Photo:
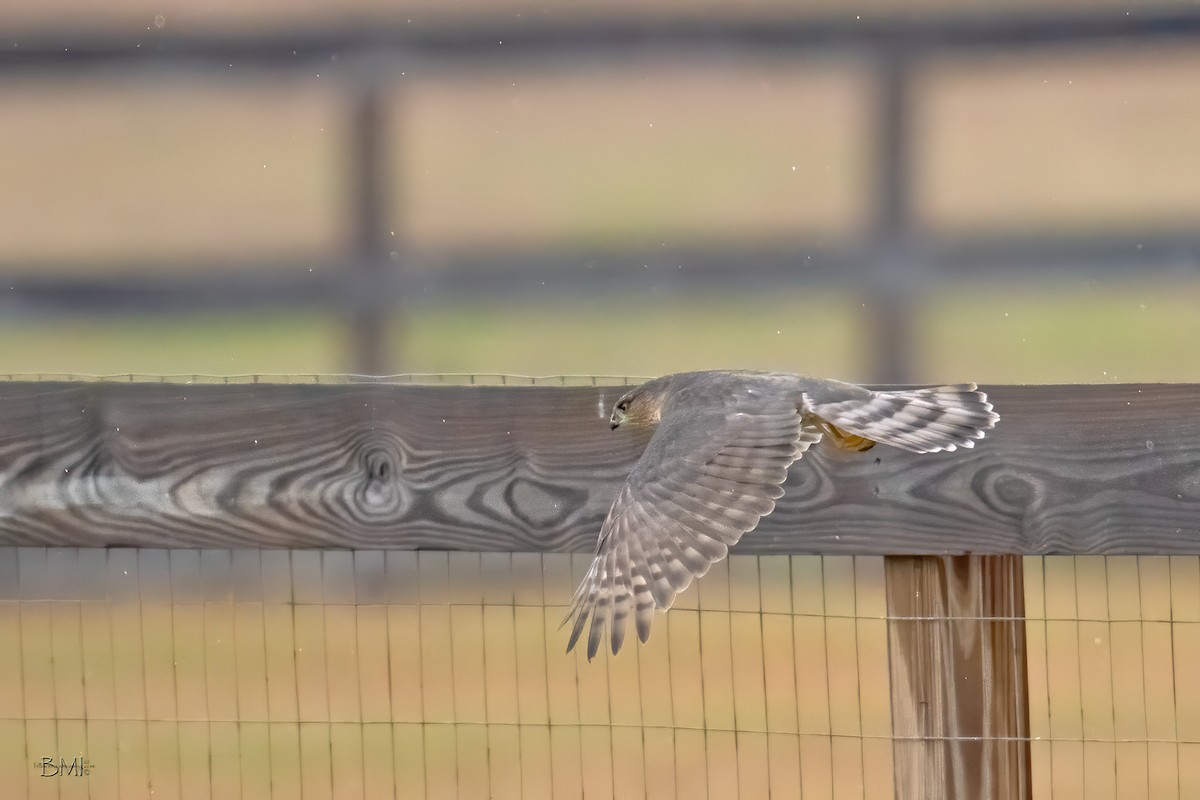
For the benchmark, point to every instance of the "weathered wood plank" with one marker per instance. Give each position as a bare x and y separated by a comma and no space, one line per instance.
960,698
1081,469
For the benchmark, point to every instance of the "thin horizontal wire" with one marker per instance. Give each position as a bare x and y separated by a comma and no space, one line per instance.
564,605
429,378
625,726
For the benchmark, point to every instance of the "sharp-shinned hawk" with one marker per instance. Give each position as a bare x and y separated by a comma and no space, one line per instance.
715,465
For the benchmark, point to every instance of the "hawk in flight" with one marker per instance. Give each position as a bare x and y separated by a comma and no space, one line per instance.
715,465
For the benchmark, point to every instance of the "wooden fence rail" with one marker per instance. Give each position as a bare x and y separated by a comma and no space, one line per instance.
1069,469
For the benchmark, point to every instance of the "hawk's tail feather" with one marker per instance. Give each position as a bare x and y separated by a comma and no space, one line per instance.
917,420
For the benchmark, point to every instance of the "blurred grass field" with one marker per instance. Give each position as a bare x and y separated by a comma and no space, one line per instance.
1131,331
118,169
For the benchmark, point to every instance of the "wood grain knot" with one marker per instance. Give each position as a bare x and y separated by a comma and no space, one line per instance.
380,492
809,480
541,505
1007,493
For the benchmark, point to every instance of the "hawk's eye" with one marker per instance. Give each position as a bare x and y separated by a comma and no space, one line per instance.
623,406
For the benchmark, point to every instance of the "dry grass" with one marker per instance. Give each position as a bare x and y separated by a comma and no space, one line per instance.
105,169
117,167
1090,139
667,153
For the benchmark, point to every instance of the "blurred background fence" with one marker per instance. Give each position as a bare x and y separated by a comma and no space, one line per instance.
254,189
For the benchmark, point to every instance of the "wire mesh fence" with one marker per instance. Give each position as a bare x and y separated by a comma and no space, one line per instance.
185,673
1114,644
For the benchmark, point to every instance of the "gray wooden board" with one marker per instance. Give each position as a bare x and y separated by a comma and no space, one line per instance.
1069,469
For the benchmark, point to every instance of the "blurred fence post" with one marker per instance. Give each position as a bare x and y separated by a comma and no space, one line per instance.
370,259
892,275
960,695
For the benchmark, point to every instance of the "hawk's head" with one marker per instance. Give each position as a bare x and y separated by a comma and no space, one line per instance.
640,407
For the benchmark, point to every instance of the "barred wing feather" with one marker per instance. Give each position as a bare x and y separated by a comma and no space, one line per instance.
704,481
918,420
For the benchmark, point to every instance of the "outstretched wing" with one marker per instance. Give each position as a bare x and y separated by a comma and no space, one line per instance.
917,420
704,480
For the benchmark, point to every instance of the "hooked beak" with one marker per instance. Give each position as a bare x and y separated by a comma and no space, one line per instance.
613,424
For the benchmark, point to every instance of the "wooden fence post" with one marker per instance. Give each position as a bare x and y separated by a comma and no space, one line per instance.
960,701
369,210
